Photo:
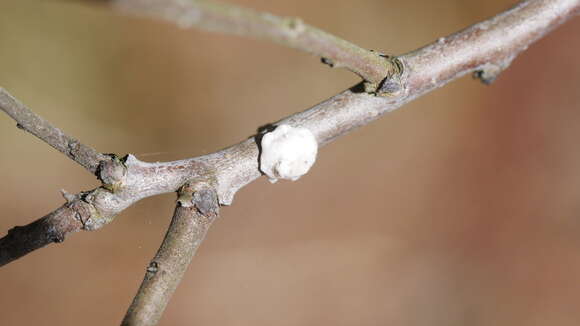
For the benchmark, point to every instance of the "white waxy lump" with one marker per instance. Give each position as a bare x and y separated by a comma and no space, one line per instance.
287,153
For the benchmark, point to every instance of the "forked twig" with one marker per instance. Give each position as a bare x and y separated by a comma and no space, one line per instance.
484,49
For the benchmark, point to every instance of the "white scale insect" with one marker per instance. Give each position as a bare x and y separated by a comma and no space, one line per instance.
288,153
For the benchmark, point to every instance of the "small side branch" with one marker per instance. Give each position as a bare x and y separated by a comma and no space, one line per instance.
292,32
194,214
36,125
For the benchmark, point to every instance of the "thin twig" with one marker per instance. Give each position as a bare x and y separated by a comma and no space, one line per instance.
195,212
36,125
477,49
292,32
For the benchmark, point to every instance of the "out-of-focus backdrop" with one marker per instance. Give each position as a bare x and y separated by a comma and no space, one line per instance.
463,208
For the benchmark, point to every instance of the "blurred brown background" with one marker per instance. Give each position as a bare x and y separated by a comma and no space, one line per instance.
461,209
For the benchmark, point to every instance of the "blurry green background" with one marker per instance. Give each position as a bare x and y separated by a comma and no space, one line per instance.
461,209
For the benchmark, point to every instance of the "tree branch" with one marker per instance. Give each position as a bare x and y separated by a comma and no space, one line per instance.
36,125
53,227
195,212
292,32
486,48
482,48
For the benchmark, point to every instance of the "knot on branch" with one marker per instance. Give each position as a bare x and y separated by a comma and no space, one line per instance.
83,211
490,71
152,268
202,196
327,62
94,219
392,84
112,172
294,26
